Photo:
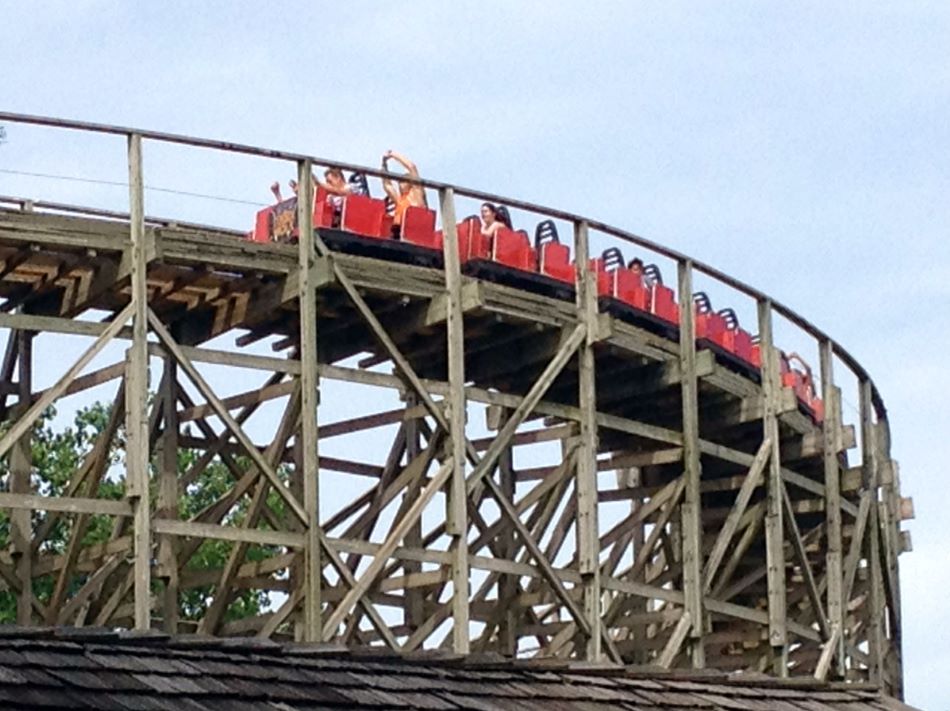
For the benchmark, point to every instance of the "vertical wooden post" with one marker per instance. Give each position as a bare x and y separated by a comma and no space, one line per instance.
21,465
588,541
167,504
414,603
889,480
832,472
457,513
309,401
691,508
630,478
136,396
870,476
508,584
774,534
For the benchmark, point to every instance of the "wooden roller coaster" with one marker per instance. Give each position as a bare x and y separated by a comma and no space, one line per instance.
693,515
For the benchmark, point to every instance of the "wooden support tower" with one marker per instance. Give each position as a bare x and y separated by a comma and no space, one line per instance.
690,516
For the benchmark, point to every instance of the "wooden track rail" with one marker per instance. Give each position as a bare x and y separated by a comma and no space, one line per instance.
554,481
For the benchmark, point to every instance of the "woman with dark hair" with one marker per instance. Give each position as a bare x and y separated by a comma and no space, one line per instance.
490,221
501,212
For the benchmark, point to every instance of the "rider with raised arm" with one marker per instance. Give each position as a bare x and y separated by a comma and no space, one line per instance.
409,194
334,183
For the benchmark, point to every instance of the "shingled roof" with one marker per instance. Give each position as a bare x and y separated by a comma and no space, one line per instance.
65,669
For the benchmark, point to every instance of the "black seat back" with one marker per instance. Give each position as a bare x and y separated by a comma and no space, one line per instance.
702,302
359,184
652,275
546,231
612,258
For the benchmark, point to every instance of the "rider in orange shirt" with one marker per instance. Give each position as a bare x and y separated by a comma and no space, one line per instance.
410,194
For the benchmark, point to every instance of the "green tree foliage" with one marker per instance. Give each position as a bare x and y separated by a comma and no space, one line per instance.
59,452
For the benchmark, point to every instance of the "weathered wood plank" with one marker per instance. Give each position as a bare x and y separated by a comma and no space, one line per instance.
691,508
778,635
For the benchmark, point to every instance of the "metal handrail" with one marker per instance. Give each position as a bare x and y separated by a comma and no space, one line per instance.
856,368
112,214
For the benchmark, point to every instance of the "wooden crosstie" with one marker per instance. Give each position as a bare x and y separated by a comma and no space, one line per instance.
555,482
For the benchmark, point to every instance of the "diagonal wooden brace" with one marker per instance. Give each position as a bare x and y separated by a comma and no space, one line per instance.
222,411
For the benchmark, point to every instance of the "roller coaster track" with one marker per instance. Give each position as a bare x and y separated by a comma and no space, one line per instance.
692,515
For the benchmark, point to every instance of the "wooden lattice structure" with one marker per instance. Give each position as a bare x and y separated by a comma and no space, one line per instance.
746,540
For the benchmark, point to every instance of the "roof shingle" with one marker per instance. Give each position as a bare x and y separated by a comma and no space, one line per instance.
107,670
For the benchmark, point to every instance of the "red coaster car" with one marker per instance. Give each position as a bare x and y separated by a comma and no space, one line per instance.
554,258
800,379
278,223
662,299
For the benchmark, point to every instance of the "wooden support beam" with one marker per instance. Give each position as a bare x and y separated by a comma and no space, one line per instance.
222,412
72,504
829,650
774,536
414,603
456,502
506,621
750,483
136,395
877,644
108,275
75,609
384,552
26,421
383,337
21,467
675,641
834,573
309,401
588,550
95,466
648,550
290,366
258,505
168,493
798,548
856,546
526,406
891,514
381,626
628,384
407,415
247,536
90,380
246,399
547,570
545,407
11,354
691,509
670,490
55,324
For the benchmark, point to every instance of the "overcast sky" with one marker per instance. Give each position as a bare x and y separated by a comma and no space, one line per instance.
802,147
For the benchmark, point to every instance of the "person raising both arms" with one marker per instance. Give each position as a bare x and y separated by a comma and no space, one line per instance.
409,194
333,182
